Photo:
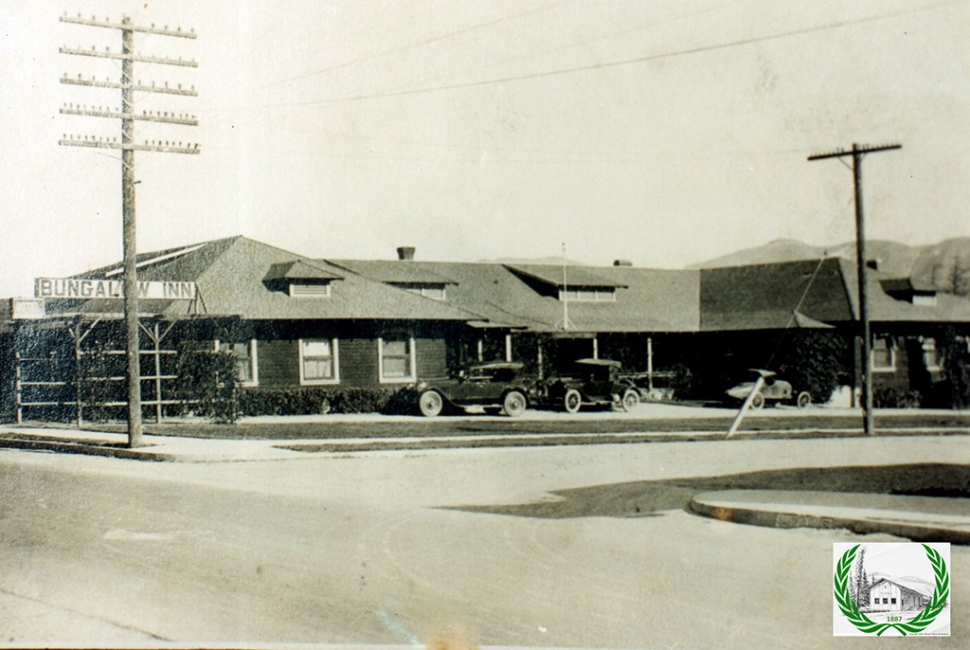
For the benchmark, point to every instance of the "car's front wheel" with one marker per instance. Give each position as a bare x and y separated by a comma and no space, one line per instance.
572,400
631,398
804,399
431,403
514,404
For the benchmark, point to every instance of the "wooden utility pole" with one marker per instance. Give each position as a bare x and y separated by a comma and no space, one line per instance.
857,153
127,115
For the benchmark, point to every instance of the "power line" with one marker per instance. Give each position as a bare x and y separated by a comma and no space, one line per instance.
614,64
409,46
614,35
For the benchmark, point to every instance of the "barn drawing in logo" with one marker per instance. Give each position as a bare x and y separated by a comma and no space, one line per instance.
908,594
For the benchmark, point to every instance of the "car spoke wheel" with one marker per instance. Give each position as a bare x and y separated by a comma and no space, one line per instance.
431,403
631,398
514,403
572,400
758,402
804,399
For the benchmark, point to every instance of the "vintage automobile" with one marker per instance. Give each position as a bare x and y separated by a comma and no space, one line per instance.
774,389
592,382
492,386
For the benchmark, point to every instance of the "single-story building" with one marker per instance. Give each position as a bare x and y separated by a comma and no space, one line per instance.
898,595
294,321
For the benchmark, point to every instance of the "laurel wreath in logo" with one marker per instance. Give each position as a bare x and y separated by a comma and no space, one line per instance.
869,626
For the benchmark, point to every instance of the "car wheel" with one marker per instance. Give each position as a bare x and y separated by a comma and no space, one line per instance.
514,404
804,399
631,398
758,402
431,403
572,400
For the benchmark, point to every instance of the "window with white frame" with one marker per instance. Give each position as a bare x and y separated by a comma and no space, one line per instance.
433,291
319,361
396,359
931,355
587,295
244,354
883,354
309,290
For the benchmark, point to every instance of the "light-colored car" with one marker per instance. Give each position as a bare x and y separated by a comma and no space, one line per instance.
774,390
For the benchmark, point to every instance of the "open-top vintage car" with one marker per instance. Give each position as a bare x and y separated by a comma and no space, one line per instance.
492,386
774,389
592,382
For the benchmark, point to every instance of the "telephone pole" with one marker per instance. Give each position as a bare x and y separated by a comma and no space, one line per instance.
857,153
128,147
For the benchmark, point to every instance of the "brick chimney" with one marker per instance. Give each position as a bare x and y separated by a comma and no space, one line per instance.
405,253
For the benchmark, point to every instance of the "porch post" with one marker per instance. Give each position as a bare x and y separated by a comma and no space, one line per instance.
650,362
158,374
508,347
76,335
539,356
18,384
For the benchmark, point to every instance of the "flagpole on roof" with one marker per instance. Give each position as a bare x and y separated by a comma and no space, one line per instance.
565,291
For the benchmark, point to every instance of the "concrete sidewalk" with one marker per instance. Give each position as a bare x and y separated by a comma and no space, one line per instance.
159,447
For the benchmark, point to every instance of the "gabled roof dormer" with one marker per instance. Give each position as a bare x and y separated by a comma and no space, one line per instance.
903,289
414,277
568,284
298,279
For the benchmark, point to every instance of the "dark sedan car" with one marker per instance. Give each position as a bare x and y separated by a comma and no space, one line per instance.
496,385
593,382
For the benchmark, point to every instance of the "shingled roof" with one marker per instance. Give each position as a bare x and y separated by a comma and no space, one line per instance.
231,278
809,293
404,272
645,299
563,276
241,277
884,308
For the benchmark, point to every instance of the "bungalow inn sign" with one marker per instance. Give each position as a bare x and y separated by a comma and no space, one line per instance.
97,288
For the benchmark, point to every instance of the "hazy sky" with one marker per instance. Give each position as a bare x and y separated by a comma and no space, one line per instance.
663,131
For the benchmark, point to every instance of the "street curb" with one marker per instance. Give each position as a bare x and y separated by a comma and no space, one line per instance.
776,519
67,447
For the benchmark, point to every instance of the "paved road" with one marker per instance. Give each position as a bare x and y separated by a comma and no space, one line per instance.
394,547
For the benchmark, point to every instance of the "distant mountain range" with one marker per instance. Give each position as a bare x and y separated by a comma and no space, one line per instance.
944,266
548,261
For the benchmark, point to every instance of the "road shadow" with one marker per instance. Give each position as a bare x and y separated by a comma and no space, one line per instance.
651,498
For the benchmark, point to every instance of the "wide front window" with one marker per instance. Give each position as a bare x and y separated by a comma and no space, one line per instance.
319,363
587,295
397,363
245,357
